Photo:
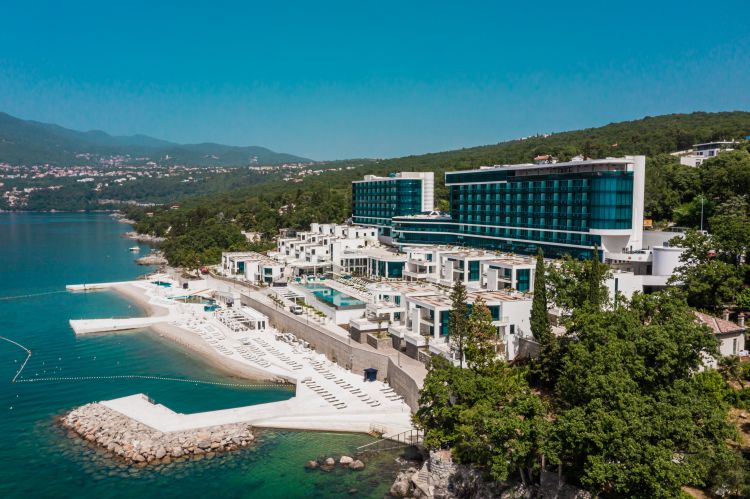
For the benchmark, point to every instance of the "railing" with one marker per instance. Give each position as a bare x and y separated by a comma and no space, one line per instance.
406,438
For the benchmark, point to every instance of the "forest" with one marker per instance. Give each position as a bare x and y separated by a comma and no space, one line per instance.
672,191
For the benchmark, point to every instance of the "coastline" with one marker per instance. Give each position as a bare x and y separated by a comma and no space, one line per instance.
191,344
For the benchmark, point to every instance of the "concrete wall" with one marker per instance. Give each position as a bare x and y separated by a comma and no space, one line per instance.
348,354
404,385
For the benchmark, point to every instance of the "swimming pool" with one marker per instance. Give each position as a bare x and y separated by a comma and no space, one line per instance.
334,297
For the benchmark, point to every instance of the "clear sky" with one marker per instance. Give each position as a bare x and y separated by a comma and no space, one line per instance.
377,78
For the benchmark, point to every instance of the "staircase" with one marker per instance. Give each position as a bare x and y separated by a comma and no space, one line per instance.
397,441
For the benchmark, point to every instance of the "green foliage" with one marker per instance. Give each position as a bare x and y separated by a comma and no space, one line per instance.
489,416
710,282
597,293
481,349
204,245
540,327
633,420
458,321
31,142
630,413
575,283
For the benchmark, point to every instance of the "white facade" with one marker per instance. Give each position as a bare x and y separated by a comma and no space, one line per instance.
702,152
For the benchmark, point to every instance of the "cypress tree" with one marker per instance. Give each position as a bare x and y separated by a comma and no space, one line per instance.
595,280
458,322
539,319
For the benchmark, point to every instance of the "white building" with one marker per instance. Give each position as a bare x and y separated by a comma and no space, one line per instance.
731,335
701,152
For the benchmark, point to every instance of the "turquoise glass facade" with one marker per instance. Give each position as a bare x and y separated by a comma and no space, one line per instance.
523,277
376,202
519,211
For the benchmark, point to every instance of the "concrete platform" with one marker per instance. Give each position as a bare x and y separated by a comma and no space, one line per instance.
91,326
297,413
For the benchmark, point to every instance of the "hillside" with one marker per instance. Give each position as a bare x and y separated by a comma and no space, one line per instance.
24,142
200,228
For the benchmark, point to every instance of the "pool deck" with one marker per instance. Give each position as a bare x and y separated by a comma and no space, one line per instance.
327,397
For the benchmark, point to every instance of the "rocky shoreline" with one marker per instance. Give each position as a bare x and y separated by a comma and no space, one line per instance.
138,444
153,258
143,238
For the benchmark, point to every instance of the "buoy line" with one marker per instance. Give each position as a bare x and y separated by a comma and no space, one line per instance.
28,356
157,378
130,376
32,295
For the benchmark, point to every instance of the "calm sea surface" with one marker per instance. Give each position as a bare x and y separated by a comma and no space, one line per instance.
39,254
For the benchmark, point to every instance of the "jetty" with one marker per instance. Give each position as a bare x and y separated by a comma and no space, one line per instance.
91,326
99,286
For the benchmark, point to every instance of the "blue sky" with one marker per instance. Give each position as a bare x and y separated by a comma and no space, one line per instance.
331,80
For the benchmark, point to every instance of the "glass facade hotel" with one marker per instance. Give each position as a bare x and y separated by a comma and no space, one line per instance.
376,200
564,208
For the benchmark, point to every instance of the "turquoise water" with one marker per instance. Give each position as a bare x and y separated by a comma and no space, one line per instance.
39,254
334,297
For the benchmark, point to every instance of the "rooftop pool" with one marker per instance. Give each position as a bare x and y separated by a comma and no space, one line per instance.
334,297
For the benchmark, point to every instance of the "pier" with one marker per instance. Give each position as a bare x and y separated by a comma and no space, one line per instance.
91,326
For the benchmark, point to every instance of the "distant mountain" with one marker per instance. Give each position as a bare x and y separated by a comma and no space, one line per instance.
31,142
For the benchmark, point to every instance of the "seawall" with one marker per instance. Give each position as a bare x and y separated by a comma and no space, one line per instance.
405,380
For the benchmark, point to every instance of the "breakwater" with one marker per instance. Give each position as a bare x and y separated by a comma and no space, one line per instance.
135,442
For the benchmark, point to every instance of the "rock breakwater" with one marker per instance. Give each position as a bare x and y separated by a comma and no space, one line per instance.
136,443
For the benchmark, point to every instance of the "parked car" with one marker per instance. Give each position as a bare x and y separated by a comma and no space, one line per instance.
296,309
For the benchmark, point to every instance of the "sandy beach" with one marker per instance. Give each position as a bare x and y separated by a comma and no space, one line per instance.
190,342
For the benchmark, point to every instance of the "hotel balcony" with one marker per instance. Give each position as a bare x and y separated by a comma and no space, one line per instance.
383,308
416,275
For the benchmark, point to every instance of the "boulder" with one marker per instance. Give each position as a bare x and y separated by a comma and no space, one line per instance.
346,460
160,453
312,464
330,461
356,465
400,488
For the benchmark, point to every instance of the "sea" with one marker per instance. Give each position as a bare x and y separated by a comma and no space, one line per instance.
39,254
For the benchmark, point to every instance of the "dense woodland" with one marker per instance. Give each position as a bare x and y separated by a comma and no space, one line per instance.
617,405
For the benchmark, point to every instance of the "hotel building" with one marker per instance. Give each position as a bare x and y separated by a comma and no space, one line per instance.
564,208
376,200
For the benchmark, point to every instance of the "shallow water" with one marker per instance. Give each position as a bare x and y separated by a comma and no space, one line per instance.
39,254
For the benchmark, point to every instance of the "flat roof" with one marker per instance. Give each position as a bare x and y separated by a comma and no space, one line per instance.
716,142
511,260
404,287
434,301
532,166
496,296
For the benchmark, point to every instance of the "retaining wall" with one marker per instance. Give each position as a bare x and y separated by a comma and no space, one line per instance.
342,350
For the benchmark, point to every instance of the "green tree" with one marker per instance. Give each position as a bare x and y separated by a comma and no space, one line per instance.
458,321
540,326
504,430
597,292
634,420
730,229
574,283
710,285
731,369
481,347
